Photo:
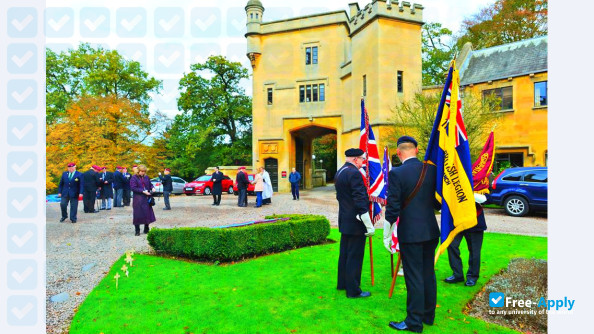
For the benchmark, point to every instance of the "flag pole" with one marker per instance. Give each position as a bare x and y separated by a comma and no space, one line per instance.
394,276
371,261
392,263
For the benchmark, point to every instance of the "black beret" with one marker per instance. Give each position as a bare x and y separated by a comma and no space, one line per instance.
406,139
354,152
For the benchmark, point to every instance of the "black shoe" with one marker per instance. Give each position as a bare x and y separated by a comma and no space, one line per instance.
166,208
294,199
470,282
146,231
401,326
73,221
361,295
108,209
429,323
255,206
102,209
62,220
137,233
453,279
96,211
214,204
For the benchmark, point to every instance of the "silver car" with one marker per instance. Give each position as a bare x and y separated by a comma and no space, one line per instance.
177,182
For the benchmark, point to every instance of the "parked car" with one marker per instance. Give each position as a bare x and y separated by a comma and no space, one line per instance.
521,190
177,182
250,188
203,185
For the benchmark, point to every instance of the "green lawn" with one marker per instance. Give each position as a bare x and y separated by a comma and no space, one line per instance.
294,291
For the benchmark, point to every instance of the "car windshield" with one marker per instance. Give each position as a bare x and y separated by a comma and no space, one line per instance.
204,178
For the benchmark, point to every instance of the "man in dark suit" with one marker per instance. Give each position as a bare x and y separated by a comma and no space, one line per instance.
242,184
70,186
217,186
354,223
90,185
418,234
474,241
106,179
167,187
118,187
126,186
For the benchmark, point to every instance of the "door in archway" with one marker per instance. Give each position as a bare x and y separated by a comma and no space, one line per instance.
271,166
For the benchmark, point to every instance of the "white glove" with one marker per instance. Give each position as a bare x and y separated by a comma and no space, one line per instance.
159,173
368,224
388,230
480,198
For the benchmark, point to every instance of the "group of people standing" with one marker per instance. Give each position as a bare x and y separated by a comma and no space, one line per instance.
96,183
262,187
118,187
411,201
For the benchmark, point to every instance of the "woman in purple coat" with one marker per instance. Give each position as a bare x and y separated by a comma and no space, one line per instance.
142,188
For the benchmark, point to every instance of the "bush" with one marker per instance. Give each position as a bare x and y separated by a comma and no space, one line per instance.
231,244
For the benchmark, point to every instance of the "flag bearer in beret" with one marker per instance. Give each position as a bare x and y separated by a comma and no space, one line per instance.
118,187
167,187
354,222
90,185
411,197
126,186
106,189
70,186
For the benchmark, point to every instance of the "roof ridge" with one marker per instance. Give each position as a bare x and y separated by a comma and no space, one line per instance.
510,44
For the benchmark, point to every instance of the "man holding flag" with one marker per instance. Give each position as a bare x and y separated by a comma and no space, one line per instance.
354,223
474,236
411,200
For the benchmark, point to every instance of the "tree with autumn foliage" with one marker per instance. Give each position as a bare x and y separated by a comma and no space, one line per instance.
94,72
505,21
103,130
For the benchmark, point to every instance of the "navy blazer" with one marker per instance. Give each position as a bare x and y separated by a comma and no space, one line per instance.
118,180
72,187
90,180
126,177
353,200
417,221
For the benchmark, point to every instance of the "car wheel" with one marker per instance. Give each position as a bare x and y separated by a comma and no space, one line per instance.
207,191
230,190
516,206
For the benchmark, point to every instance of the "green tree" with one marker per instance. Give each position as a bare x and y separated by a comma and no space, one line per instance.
438,50
94,72
505,21
415,118
324,148
214,127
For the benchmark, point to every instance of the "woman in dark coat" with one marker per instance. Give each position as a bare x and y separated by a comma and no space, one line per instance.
217,186
142,188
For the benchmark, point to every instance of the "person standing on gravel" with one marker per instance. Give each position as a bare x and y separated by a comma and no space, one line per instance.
167,187
294,179
217,186
242,184
259,186
69,188
142,189
126,186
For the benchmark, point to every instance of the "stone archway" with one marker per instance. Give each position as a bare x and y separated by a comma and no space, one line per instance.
301,159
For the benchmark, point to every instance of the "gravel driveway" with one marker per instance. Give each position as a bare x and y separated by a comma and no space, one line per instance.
79,255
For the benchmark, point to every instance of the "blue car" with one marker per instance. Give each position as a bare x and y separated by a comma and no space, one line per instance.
521,190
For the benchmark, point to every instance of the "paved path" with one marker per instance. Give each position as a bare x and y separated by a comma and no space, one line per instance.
79,255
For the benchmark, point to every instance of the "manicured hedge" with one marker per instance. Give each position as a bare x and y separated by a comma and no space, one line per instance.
231,244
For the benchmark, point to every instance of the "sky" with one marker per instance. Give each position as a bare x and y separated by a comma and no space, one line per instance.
166,37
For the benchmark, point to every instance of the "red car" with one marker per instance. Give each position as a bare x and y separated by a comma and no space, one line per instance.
203,186
250,188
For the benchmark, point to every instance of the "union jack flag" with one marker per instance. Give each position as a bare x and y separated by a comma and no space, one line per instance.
372,169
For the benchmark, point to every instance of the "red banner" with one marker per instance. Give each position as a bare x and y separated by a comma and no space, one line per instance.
482,167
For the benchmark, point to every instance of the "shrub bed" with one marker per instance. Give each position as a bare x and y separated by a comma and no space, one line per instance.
232,244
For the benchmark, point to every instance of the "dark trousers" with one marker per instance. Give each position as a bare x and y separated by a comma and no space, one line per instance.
295,190
350,263
89,200
216,199
73,206
474,240
126,197
166,199
242,197
421,286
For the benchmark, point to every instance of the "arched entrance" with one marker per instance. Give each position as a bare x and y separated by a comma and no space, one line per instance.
303,157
